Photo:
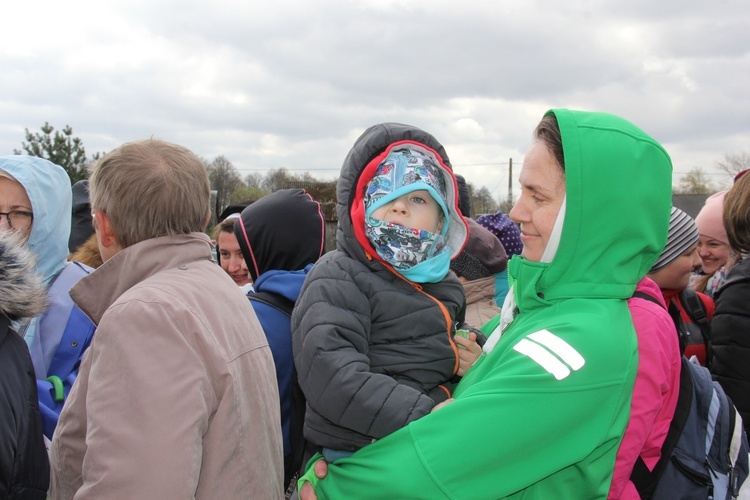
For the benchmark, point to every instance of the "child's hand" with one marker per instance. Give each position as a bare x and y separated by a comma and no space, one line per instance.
469,354
437,407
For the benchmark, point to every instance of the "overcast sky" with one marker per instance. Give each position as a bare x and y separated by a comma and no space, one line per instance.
293,83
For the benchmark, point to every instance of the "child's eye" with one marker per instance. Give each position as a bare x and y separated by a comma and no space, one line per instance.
418,199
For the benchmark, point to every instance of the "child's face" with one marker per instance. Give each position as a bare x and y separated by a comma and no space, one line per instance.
417,210
676,275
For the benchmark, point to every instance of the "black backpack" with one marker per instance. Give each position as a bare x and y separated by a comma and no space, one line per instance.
696,311
705,453
292,465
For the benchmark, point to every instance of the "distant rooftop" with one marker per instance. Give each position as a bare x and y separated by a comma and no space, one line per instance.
691,204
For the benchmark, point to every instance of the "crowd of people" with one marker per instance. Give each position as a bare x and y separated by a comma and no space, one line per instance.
429,355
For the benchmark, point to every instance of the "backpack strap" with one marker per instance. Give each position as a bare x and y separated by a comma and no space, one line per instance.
647,296
644,480
694,307
734,452
696,310
274,300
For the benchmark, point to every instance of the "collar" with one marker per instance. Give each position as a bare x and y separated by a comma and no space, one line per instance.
95,293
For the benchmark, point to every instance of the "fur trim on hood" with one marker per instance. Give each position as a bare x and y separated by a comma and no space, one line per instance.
22,292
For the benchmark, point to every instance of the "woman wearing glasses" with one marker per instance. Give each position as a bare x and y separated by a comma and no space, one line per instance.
36,204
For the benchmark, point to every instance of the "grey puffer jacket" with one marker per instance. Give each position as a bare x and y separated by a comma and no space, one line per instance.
373,351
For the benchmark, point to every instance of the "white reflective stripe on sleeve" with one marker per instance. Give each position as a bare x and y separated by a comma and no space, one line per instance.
543,357
559,347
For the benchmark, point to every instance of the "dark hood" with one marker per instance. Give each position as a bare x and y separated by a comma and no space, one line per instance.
81,227
282,231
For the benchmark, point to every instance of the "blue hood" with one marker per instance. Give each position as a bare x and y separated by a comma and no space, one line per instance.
48,188
284,283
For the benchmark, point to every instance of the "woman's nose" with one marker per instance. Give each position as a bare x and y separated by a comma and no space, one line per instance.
235,264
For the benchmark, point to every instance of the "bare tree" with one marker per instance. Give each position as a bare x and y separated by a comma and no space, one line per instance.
505,205
277,179
734,163
254,180
482,201
695,182
224,178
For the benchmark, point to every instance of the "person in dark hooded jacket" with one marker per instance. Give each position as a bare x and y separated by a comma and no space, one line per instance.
24,468
281,236
373,329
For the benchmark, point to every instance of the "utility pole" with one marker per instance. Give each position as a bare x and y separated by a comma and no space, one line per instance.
510,182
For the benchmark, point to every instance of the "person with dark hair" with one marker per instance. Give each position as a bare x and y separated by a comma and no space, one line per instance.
476,266
81,228
464,196
280,237
553,384
730,326
228,253
24,468
227,249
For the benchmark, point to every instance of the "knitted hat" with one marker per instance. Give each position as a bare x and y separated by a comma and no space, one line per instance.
505,229
482,256
709,219
683,234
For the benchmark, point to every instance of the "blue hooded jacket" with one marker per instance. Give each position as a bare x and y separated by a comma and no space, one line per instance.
281,236
57,338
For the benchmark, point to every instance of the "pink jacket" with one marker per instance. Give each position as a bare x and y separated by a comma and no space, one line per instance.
177,395
656,389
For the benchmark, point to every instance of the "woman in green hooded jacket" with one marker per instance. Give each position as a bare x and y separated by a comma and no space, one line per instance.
542,412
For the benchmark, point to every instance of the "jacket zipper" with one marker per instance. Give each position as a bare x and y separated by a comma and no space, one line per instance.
446,314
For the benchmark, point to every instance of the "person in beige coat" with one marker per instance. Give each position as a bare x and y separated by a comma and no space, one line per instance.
177,396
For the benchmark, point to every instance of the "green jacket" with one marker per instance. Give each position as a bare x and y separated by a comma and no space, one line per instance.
543,413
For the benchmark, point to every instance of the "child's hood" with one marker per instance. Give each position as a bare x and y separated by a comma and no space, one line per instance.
360,166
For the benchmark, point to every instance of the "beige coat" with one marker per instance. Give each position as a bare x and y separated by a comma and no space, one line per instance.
177,395
480,301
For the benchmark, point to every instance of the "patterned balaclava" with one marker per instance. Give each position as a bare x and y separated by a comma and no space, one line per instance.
418,255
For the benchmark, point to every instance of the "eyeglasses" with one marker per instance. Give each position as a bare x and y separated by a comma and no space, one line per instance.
18,219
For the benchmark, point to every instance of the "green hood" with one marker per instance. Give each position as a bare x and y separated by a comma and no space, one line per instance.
617,216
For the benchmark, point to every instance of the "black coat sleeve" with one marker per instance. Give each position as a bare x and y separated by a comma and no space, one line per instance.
730,345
